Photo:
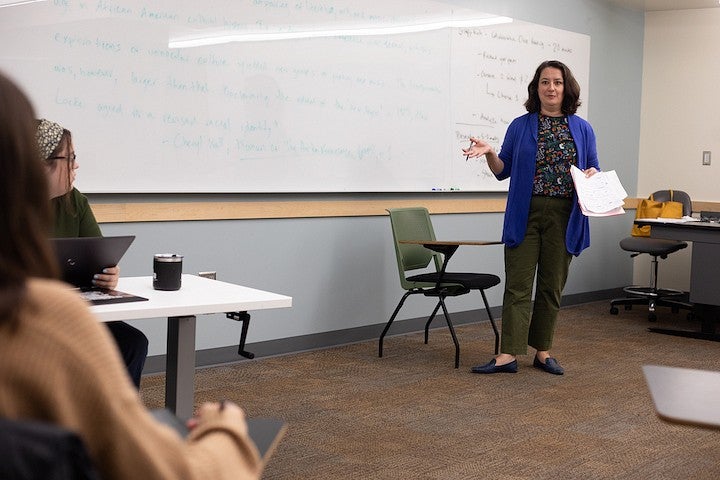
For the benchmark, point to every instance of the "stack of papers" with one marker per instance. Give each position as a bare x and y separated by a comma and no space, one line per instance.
102,296
600,195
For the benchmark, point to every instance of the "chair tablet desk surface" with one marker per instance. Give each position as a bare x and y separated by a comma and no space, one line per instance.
447,247
197,296
457,243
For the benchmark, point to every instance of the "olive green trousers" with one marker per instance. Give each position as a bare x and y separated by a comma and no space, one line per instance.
543,252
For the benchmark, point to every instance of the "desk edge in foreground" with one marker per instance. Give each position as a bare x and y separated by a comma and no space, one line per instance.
663,406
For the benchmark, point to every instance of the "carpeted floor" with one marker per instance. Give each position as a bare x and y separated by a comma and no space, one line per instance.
411,415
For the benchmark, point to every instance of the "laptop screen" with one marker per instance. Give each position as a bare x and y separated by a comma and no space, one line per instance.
83,257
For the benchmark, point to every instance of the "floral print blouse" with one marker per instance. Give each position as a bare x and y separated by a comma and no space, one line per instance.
555,153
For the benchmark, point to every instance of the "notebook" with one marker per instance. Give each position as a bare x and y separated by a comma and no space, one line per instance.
266,433
82,257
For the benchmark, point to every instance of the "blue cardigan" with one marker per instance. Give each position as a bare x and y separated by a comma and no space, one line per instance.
518,153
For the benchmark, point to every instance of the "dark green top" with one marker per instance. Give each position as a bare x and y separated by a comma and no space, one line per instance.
73,216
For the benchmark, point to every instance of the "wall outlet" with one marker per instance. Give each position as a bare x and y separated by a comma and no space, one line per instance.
210,275
706,157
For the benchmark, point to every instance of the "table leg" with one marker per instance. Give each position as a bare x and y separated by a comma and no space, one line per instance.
180,366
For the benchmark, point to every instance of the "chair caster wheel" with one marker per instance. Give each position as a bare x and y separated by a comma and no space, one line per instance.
614,311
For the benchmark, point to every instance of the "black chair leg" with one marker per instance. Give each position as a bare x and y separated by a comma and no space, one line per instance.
392,318
452,333
430,319
440,304
492,322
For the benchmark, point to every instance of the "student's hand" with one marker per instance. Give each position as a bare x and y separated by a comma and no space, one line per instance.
590,172
209,411
477,148
108,278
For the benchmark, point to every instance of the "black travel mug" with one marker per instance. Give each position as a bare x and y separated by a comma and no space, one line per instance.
167,271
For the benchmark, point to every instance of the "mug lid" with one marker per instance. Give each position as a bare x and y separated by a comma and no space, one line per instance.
168,257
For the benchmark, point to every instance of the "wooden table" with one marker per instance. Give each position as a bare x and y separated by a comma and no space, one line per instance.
197,296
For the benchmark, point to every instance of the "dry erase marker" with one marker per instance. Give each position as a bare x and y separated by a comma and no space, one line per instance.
467,157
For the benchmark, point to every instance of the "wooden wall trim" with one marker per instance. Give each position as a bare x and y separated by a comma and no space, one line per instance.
708,206
163,212
698,206
190,211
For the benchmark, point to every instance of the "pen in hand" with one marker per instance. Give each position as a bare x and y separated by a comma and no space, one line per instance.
467,156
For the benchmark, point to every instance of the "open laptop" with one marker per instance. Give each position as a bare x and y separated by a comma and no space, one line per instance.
82,257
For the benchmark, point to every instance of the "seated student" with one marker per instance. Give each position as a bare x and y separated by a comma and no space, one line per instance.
58,362
74,218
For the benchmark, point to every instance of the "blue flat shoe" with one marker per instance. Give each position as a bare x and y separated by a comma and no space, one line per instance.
550,366
490,367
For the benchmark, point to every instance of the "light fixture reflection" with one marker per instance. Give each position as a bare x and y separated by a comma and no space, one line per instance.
206,39
4,4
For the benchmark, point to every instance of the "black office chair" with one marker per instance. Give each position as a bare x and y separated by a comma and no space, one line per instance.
34,450
651,295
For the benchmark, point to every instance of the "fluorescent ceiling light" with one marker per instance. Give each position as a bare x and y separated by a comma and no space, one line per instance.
200,39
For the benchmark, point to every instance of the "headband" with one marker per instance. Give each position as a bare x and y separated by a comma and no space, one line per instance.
48,136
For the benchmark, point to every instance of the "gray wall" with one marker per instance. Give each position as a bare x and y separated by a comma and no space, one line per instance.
341,271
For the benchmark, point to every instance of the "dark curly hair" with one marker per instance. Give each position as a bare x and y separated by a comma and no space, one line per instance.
571,91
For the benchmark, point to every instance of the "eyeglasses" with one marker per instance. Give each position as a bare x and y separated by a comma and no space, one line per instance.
70,158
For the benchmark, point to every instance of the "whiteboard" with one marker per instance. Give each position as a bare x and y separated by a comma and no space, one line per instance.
348,113
490,70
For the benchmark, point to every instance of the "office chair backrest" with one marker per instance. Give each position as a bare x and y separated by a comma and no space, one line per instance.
412,224
677,196
34,450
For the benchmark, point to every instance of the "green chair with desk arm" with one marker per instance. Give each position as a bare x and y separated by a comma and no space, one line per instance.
657,248
414,224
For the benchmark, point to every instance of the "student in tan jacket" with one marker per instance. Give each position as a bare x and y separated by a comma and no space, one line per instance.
59,365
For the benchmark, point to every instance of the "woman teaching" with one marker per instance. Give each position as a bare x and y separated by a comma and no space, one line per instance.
544,227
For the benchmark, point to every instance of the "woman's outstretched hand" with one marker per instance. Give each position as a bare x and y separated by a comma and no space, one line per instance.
477,148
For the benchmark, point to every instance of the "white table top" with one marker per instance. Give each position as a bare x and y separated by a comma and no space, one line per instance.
196,296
